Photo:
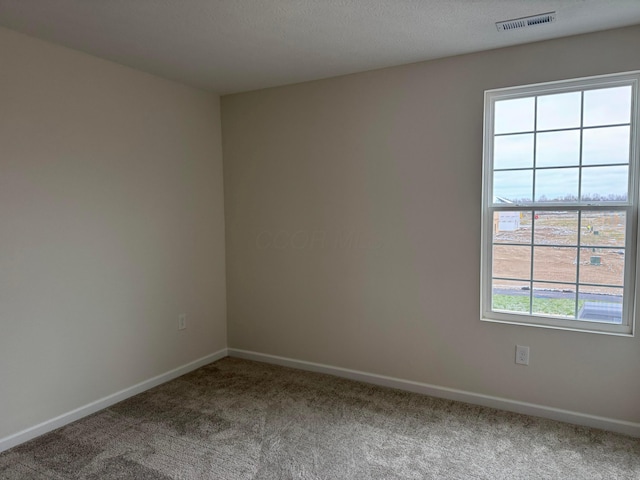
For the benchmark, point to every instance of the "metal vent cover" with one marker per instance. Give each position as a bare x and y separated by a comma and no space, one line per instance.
526,22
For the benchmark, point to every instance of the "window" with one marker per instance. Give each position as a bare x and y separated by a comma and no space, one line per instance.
560,204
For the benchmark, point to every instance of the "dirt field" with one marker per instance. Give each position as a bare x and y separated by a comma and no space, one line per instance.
560,263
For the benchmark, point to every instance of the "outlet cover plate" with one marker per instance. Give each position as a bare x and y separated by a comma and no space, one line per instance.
522,355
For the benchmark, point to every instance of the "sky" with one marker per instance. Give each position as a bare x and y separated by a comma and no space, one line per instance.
605,141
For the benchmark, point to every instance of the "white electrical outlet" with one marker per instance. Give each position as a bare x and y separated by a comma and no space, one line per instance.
182,321
522,355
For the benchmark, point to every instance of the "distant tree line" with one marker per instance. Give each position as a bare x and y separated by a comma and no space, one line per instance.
589,197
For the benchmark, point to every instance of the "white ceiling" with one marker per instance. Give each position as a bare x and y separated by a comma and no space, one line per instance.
237,45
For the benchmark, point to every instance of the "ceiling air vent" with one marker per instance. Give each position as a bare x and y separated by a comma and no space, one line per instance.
526,22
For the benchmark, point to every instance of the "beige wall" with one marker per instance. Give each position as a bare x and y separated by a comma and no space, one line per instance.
353,229
111,224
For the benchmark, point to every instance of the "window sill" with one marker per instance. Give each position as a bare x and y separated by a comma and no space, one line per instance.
581,326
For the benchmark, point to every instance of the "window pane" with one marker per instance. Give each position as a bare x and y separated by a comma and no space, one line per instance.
557,184
603,228
559,111
605,184
511,262
605,145
513,116
600,304
607,106
602,266
512,186
513,151
512,227
554,264
510,296
556,228
554,300
557,149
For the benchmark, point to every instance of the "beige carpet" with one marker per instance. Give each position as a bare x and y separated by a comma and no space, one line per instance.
236,419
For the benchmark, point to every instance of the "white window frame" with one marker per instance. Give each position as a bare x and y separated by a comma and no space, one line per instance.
630,294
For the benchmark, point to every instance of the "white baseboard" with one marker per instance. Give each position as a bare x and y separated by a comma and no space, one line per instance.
604,423
611,424
66,418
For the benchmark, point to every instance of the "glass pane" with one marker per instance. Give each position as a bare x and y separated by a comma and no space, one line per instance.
513,151
512,227
607,106
605,145
559,111
556,228
603,228
511,262
557,184
513,116
605,184
600,304
557,149
554,300
512,186
554,264
602,265
510,296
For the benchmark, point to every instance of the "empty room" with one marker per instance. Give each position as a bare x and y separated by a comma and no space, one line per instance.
319,239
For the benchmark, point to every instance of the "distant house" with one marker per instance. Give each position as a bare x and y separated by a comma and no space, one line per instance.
505,221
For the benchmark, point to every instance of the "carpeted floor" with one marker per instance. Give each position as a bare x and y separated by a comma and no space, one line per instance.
236,419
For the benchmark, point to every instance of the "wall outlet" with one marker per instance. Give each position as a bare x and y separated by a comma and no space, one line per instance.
182,321
522,355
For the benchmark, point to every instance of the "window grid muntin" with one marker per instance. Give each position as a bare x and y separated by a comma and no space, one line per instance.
533,199
552,130
515,169
583,284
